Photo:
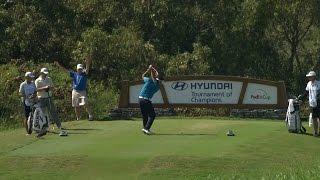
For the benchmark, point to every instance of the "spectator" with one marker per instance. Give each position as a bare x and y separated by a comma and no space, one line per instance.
79,88
26,91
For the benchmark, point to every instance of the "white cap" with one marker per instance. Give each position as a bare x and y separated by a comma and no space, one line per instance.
311,74
44,70
79,66
29,74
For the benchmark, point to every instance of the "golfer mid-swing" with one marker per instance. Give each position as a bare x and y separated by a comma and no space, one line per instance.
150,87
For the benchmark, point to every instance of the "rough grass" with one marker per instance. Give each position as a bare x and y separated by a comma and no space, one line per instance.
183,148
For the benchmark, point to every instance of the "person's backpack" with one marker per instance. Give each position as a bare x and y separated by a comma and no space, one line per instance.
40,121
293,120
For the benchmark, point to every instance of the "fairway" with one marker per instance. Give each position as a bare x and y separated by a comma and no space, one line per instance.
182,148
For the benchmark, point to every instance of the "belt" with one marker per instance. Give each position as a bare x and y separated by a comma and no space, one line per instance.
145,98
45,97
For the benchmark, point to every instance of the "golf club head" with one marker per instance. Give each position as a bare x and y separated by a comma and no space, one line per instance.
230,133
63,133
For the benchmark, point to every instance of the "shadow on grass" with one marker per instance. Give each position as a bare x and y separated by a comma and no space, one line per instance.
77,133
57,133
109,119
308,134
82,129
182,134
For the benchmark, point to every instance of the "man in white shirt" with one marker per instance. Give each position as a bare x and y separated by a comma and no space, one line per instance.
313,91
26,90
44,87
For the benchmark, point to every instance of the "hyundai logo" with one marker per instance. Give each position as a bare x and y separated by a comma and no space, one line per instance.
179,86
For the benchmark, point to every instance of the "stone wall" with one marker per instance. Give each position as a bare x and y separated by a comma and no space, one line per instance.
128,113
259,113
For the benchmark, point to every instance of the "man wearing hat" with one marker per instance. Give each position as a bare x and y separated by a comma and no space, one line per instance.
44,87
313,91
79,88
26,90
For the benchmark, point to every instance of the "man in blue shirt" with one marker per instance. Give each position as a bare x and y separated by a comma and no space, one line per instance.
150,87
79,88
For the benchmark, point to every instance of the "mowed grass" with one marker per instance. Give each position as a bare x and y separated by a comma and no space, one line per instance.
183,148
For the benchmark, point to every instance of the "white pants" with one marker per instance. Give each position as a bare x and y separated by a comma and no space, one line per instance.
79,98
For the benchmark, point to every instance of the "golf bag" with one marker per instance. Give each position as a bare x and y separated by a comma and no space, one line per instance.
293,120
38,121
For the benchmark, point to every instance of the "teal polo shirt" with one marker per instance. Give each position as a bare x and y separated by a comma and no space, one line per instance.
149,88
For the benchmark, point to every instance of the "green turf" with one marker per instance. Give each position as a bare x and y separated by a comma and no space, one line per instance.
181,149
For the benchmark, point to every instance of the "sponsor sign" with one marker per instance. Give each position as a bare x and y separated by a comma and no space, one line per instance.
195,92
210,91
203,92
260,94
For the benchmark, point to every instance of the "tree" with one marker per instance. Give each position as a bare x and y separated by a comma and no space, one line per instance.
194,63
293,21
116,56
28,34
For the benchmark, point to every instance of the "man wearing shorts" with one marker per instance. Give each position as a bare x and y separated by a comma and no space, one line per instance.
79,88
26,90
150,87
313,91
44,87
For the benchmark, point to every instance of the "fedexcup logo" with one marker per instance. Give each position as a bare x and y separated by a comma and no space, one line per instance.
179,86
260,95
